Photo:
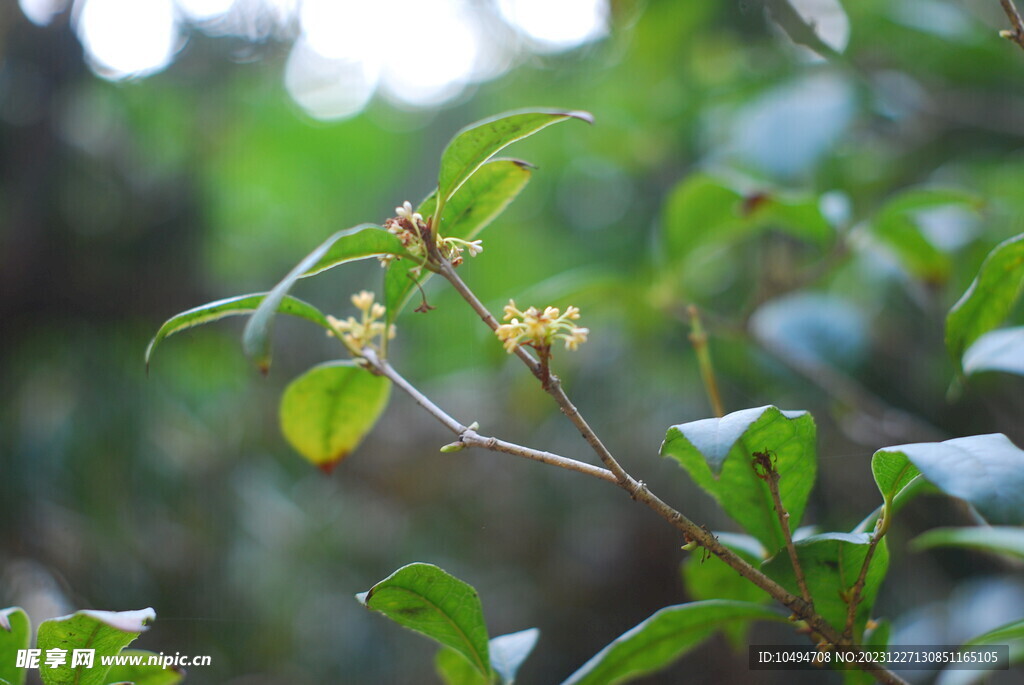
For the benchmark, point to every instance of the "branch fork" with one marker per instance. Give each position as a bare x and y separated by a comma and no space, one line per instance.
613,472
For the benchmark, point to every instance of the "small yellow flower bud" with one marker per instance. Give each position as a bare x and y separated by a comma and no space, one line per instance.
363,300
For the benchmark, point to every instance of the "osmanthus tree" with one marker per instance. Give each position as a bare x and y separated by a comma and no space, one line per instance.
759,464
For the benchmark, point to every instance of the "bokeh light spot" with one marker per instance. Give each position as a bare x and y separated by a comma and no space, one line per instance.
125,38
557,26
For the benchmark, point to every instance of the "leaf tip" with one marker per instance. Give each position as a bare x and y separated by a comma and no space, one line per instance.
328,467
523,164
582,115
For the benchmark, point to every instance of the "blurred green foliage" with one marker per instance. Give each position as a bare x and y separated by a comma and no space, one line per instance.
121,204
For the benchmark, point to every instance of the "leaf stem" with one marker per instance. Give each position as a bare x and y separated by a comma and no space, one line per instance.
639,492
699,339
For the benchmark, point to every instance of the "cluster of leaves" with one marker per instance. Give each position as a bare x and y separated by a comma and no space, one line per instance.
327,411
108,633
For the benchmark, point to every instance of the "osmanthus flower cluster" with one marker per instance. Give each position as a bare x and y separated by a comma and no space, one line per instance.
414,232
358,334
540,329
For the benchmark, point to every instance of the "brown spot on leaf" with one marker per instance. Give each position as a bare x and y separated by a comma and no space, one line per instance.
753,202
328,466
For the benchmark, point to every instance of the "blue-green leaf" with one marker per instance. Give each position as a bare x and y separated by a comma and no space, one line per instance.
232,306
708,577
1001,350
664,637
893,472
989,298
508,652
474,145
703,209
1006,540
831,563
360,242
480,200
106,632
985,470
896,225
432,602
15,634
454,669
718,453
145,673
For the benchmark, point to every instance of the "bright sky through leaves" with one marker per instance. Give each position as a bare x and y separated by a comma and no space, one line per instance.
415,53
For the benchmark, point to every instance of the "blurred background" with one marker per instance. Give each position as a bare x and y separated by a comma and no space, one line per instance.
157,154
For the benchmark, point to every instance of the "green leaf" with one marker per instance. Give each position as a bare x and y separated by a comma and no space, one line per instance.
700,207
360,242
1010,632
475,144
798,215
430,601
1006,540
453,669
327,411
896,225
107,632
703,209
893,472
664,637
232,306
481,199
920,199
985,470
717,453
831,564
1001,350
508,652
915,487
988,299
145,673
708,577
15,634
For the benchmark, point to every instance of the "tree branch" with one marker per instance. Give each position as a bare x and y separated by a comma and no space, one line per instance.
1017,33
766,471
468,437
856,593
640,493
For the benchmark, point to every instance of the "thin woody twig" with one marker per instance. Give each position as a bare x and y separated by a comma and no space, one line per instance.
640,493
857,591
766,471
468,437
1017,33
